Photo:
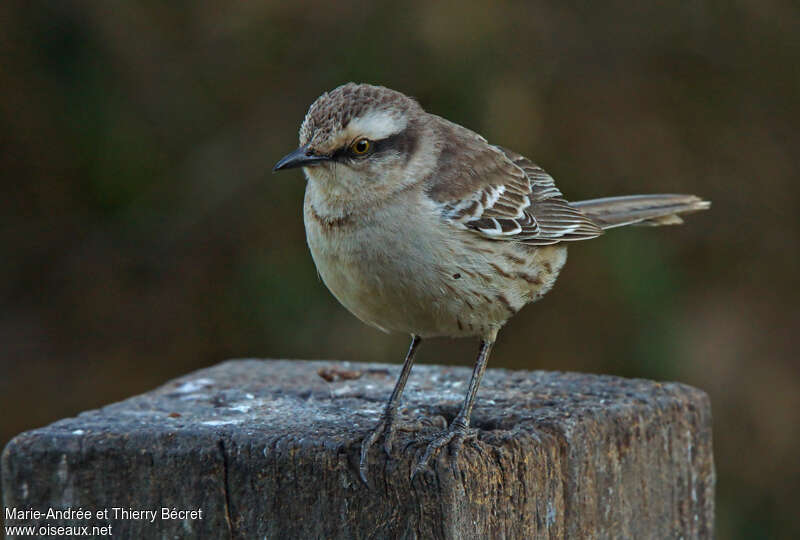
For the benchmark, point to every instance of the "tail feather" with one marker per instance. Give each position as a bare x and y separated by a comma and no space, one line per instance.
653,210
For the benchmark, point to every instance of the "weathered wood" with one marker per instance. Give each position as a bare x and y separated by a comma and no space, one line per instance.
270,449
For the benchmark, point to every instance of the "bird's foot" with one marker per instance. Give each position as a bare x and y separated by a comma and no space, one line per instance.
454,436
387,427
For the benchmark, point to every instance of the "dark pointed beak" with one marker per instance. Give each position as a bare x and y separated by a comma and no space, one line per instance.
302,157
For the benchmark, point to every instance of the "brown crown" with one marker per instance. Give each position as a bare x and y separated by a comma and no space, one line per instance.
334,110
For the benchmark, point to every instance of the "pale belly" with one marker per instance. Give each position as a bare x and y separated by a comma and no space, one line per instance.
409,276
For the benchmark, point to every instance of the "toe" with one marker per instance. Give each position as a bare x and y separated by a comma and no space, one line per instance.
366,444
431,451
455,447
388,439
454,438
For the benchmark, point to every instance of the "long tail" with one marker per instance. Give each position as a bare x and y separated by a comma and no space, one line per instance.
661,209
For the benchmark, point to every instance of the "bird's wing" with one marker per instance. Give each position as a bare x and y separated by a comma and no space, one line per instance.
503,195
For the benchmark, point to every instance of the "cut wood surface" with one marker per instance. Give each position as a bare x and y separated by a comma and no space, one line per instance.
269,449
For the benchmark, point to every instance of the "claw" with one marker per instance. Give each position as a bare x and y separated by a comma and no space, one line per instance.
386,427
477,447
454,436
388,437
367,443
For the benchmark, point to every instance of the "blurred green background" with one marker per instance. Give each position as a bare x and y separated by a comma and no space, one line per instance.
143,235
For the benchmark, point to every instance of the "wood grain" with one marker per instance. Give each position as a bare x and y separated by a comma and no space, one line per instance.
270,449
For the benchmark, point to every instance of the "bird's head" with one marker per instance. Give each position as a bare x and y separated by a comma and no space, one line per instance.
360,137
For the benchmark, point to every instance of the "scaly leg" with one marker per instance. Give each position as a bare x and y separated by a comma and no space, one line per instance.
386,424
458,429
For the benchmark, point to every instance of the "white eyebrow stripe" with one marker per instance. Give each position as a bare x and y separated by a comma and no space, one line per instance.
377,125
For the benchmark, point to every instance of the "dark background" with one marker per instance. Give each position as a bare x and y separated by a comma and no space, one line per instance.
143,235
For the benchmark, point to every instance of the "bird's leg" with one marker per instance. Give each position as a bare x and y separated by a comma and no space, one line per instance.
459,427
386,424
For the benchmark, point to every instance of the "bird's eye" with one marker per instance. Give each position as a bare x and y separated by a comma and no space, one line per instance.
360,147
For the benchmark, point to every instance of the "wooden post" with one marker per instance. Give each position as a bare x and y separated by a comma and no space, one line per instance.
269,449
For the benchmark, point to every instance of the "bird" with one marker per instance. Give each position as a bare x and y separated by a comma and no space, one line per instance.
421,226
